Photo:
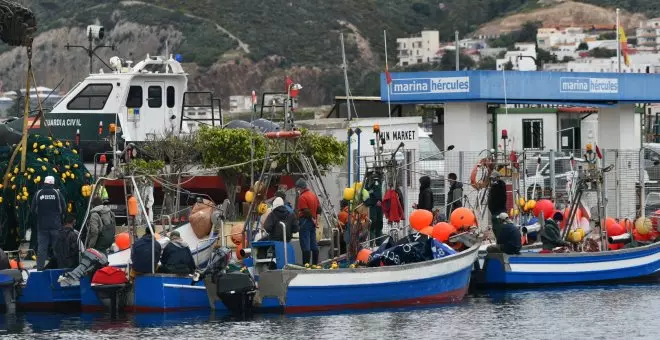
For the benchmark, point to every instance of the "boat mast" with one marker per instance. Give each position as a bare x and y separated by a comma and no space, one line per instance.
348,105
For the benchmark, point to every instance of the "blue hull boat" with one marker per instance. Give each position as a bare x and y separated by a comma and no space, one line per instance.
535,269
438,281
151,293
42,292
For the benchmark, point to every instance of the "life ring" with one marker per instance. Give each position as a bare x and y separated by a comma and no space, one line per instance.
283,134
486,165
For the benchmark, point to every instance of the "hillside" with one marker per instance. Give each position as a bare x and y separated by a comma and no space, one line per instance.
235,46
565,13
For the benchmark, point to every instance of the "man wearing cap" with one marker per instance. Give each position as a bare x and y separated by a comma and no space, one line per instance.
48,206
177,257
507,236
308,208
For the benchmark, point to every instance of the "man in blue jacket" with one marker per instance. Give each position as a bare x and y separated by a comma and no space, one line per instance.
142,255
177,258
48,206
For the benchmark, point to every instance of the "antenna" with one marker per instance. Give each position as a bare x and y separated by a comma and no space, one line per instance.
94,32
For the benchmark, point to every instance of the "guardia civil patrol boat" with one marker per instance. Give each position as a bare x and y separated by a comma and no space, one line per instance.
143,100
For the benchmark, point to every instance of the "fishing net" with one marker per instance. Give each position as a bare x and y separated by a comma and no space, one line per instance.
45,157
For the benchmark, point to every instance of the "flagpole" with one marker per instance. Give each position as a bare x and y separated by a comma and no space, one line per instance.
618,41
389,104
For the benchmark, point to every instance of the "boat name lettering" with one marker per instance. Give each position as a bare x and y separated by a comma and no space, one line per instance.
63,122
400,135
431,85
589,85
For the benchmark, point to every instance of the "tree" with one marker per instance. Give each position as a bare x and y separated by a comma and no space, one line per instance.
544,57
167,157
567,59
508,66
600,52
583,46
448,61
487,63
229,150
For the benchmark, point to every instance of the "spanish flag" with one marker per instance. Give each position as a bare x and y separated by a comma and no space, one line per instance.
623,40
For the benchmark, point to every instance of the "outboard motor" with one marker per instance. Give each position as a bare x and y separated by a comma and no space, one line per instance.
236,290
10,279
91,261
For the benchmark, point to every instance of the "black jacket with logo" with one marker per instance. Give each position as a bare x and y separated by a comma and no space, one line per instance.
48,206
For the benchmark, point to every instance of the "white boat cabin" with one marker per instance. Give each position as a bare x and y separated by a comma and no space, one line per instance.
146,99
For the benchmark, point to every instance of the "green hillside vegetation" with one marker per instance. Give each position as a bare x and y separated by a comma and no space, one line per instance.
303,32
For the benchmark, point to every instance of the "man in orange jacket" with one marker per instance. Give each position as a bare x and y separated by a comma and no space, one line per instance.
308,208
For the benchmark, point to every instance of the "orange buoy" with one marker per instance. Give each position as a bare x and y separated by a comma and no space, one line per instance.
420,219
614,229
123,241
544,206
13,264
462,218
132,206
609,221
442,231
364,255
428,231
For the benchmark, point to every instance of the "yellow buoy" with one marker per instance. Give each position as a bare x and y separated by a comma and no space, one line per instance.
249,196
643,226
349,194
261,209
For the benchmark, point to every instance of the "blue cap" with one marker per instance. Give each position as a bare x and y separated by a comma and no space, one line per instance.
178,57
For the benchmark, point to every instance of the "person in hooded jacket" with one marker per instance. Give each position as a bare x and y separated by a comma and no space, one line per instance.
177,257
48,207
455,194
551,234
67,249
507,236
101,226
278,216
141,253
425,200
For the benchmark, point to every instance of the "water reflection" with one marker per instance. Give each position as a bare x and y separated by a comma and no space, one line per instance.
607,312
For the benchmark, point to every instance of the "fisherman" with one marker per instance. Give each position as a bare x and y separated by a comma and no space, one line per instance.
507,236
66,247
48,207
280,217
425,200
308,209
142,255
374,202
497,196
455,194
551,234
101,226
177,257
281,194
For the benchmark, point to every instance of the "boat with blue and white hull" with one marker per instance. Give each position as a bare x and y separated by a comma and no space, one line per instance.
534,269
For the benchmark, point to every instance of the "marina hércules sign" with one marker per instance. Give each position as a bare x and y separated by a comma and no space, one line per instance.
430,85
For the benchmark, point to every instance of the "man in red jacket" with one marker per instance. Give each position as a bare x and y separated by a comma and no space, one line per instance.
308,208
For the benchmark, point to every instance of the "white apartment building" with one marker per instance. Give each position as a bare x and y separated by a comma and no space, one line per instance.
418,49
648,35
638,64
549,38
521,58
240,103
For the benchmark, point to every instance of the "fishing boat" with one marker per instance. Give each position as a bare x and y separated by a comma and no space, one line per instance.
534,269
300,290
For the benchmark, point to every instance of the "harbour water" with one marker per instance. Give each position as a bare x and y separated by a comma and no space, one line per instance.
597,312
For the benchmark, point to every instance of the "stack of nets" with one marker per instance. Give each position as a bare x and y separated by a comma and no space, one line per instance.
45,157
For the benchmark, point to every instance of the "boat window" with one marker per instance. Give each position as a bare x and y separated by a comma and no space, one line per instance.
134,98
170,96
92,97
155,94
